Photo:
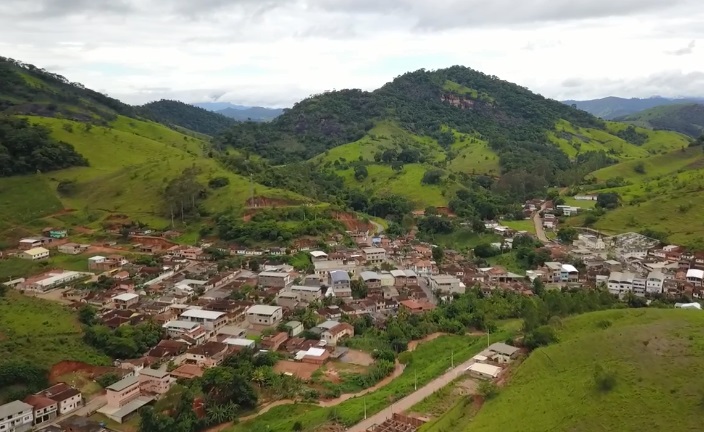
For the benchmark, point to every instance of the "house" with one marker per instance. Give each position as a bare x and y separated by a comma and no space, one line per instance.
501,352
620,282
371,279
29,243
101,263
239,344
263,315
187,371
122,392
374,255
272,279
209,354
177,328
695,277
339,282
294,328
307,294
125,301
35,254
333,335
415,306
568,273
211,320
483,370
586,197
318,256
16,416
316,356
287,299
44,409
51,280
655,282
68,398
72,248
155,381
613,265
446,284
322,268
273,342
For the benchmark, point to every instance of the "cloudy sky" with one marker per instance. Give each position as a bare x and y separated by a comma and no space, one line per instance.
275,52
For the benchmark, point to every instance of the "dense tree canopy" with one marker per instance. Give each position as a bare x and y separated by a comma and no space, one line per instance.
175,113
27,148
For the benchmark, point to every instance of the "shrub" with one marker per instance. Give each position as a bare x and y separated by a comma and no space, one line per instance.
605,380
218,182
604,324
488,390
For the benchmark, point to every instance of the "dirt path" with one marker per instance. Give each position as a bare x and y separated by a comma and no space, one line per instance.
332,402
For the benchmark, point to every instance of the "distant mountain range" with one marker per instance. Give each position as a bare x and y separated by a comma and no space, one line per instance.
687,119
241,112
611,107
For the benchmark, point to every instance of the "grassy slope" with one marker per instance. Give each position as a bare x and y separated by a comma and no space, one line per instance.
130,164
669,197
459,89
473,156
656,355
41,332
569,138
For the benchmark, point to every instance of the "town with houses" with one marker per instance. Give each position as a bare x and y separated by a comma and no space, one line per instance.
208,312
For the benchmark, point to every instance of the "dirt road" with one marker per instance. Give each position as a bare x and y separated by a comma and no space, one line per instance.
411,399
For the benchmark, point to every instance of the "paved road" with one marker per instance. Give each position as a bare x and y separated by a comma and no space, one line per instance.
412,398
539,231
423,283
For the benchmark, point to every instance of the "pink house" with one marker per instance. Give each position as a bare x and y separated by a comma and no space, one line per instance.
155,381
122,392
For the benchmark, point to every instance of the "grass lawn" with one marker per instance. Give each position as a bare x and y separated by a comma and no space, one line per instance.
463,238
654,354
131,425
13,268
42,332
474,157
425,362
458,418
570,201
81,381
508,261
521,225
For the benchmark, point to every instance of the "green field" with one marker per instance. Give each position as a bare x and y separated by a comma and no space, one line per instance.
654,166
459,89
570,201
473,156
463,239
424,362
42,332
17,267
131,163
654,354
407,182
521,225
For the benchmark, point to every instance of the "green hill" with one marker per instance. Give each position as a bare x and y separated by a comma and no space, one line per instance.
179,114
85,157
654,357
687,119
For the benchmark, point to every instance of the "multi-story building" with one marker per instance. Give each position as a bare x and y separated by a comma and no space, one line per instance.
155,381
307,294
655,282
211,320
340,284
68,398
263,315
446,284
44,409
374,255
122,392
16,416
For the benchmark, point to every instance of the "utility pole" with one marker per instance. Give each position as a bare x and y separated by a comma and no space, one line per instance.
487,338
452,358
415,374
365,407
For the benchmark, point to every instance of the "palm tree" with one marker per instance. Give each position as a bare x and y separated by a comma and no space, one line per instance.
259,377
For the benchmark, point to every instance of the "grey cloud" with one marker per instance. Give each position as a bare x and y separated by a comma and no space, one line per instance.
684,51
667,84
60,8
572,82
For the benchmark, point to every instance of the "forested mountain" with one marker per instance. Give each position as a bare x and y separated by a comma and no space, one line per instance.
684,118
179,114
27,89
512,119
613,107
256,114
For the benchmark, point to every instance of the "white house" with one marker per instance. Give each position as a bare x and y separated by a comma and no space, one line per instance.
16,416
695,276
569,273
483,370
446,284
35,254
211,320
655,281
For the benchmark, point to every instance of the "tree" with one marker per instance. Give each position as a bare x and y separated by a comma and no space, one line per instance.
485,250
360,172
541,336
567,235
218,182
86,315
639,168
438,254
359,289
607,201
538,287
488,390
297,427
605,380
432,177
431,211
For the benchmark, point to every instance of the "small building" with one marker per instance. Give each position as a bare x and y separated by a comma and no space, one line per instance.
483,371
271,279
177,328
333,335
569,273
307,294
340,284
125,301
72,248
374,255
695,277
211,320
68,398
318,256
446,284
502,353
155,381
316,356
655,282
16,416
240,343
263,315
122,392
44,409
210,354
371,279
294,328
35,254
287,299
29,243
415,307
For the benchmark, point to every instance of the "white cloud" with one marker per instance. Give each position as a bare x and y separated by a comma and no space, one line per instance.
275,52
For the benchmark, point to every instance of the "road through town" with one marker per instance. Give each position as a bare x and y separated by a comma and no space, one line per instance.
539,231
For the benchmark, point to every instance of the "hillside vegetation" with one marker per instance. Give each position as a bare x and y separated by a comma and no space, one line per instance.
179,114
610,108
611,370
687,119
